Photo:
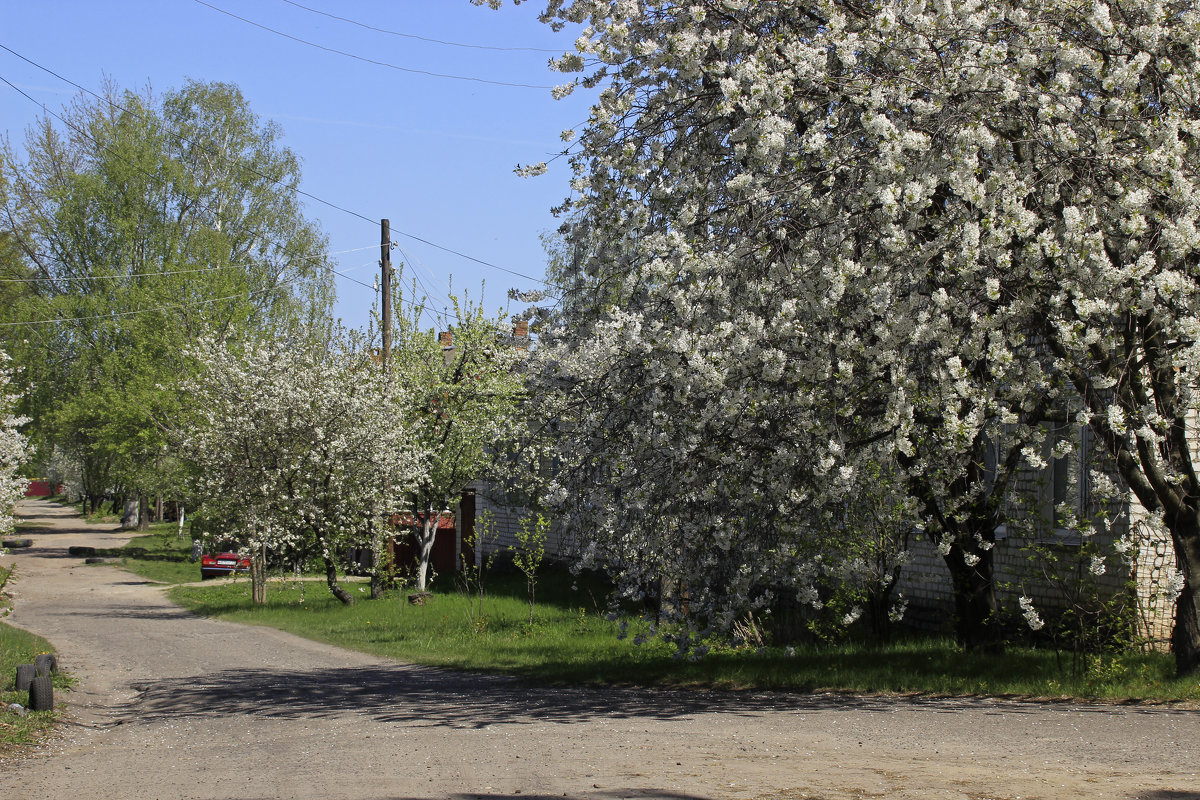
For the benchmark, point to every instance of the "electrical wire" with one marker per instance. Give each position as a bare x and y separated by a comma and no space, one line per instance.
298,191
421,38
357,57
150,274
416,273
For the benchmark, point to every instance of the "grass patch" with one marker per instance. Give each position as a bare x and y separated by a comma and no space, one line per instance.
159,555
571,642
19,647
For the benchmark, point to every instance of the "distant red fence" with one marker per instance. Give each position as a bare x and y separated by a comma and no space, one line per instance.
42,488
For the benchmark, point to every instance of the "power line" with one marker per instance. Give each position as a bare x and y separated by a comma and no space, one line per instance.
421,38
176,136
164,273
416,273
371,60
480,261
251,169
353,279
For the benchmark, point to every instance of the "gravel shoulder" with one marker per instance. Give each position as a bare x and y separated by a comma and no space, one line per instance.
171,705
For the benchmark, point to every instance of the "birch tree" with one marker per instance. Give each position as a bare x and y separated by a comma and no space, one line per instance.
142,223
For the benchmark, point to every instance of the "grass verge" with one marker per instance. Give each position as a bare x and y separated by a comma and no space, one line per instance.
159,555
571,642
20,647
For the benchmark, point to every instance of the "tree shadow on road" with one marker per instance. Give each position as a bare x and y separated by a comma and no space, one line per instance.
599,794
430,696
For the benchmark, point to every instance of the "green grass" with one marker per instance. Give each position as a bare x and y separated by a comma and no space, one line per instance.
160,555
20,647
570,642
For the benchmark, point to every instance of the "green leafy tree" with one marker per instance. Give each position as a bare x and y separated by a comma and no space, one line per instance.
529,551
145,224
464,390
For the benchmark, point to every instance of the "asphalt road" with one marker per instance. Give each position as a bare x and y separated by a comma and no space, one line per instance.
170,705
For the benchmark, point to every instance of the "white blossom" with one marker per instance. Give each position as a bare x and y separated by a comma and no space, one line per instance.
1032,619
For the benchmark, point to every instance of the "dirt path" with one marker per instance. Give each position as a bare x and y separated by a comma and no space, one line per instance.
174,706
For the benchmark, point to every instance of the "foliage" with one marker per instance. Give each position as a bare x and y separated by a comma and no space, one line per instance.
14,449
473,574
142,224
14,452
828,234
6,577
297,442
529,551
461,410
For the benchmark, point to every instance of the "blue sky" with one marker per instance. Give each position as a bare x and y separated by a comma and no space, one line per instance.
434,155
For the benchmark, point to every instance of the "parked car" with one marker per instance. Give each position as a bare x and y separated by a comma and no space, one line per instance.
227,562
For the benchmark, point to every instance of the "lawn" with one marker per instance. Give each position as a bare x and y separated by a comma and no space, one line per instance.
159,555
20,647
571,641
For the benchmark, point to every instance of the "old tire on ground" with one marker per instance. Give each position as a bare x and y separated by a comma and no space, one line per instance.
95,560
41,694
25,674
46,663
81,550
17,542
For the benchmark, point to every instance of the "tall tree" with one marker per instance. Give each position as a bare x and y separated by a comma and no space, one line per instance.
147,223
827,227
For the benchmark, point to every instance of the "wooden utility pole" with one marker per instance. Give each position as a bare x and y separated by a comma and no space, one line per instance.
385,266
381,527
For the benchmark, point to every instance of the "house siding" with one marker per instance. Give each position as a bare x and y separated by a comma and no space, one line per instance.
925,580
506,521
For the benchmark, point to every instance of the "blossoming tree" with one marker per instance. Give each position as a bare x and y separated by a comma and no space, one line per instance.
462,407
14,450
294,441
828,231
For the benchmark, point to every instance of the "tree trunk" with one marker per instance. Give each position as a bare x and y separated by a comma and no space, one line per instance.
380,565
879,607
428,532
1185,638
143,513
334,587
976,607
258,576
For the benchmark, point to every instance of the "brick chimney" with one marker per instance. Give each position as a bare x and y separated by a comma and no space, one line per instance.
446,340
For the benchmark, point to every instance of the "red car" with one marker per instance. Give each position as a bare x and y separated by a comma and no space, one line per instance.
226,563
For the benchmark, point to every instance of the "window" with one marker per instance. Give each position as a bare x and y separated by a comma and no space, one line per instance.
1065,485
